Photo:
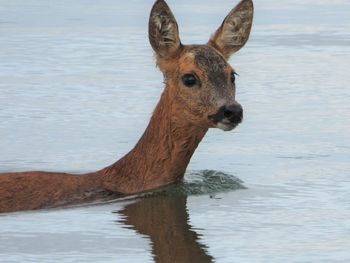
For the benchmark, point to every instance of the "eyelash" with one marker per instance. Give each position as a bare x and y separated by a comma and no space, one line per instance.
190,80
233,76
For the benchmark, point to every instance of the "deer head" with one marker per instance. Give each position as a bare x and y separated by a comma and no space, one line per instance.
199,77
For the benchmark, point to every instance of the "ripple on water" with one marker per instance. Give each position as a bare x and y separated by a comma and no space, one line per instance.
202,183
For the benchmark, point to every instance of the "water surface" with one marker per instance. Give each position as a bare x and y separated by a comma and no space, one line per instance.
78,85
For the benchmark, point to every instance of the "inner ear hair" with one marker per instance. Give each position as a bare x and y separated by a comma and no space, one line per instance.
163,30
235,29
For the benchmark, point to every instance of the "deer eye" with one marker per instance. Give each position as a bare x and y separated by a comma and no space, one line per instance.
233,77
189,80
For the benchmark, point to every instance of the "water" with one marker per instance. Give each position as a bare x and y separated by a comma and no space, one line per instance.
78,85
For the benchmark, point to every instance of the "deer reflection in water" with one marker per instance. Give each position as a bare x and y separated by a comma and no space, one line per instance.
164,218
166,221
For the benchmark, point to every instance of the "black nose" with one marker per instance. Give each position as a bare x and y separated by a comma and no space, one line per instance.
233,112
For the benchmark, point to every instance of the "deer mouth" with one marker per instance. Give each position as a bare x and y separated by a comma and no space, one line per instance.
225,125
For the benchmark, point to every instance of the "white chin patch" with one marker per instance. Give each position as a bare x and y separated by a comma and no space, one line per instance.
225,127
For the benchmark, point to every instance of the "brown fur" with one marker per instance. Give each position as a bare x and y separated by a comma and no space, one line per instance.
35,190
178,124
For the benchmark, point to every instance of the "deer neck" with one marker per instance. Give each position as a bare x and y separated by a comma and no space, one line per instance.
161,155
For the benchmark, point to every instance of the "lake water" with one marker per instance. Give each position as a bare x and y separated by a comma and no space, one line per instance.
78,85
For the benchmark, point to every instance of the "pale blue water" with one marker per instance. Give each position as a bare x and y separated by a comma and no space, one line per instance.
78,85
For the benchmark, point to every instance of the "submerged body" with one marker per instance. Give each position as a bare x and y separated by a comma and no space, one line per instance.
199,94
36,190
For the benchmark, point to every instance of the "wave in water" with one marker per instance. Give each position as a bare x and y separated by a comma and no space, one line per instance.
201,183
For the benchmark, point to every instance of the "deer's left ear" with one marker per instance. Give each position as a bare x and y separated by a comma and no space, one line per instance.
163,30
234,31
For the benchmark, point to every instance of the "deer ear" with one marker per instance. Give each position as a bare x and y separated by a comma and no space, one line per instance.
234,31
163,30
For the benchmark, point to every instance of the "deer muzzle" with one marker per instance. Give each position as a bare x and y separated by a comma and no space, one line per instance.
227,117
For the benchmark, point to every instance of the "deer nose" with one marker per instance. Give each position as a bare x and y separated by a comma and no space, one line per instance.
229,114
233,112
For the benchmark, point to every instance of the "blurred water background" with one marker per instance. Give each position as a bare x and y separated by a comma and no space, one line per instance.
78,84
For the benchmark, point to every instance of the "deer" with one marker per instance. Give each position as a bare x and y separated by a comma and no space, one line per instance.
199,94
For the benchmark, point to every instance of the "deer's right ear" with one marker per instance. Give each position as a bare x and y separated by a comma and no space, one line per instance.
163,30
